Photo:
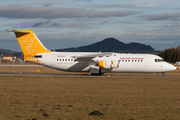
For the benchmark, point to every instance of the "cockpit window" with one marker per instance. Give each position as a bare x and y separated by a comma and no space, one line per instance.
159,60
163,60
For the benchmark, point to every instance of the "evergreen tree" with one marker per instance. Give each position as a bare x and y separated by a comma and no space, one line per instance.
171,55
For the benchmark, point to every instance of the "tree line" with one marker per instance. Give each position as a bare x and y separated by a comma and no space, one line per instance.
171,55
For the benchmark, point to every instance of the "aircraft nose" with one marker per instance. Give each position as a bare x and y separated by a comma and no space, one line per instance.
173,67
169,67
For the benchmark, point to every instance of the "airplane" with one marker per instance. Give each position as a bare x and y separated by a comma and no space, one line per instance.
96,63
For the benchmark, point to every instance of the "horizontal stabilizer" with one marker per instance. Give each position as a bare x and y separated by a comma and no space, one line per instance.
18,31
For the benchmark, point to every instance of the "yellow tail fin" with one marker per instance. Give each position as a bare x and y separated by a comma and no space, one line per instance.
29,43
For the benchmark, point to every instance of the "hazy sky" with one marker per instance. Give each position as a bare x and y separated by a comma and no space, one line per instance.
73,23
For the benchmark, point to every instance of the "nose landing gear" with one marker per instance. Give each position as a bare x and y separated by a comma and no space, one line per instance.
163,74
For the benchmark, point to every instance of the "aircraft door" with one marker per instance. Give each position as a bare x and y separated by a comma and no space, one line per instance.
52,59
147,62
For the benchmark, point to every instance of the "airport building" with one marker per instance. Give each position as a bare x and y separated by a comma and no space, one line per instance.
8,58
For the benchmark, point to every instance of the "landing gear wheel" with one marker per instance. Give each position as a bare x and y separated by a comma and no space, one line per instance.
163,74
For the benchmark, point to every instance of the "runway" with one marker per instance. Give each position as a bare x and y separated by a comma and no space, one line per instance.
82,75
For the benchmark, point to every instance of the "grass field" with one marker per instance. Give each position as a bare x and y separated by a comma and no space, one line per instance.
74,98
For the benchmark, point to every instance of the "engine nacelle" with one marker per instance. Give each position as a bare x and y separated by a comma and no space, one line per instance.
115,64
108,64
105,64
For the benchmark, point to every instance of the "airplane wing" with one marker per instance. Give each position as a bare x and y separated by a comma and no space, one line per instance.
91,56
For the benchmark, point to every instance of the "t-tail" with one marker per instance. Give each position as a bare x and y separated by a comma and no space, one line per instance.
30,44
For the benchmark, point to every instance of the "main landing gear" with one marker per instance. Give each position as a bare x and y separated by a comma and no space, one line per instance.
163,74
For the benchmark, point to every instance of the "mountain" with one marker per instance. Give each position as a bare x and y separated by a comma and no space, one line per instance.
106,45
3,51
111,45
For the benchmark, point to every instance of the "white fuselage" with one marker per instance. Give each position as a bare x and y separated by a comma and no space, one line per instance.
139,63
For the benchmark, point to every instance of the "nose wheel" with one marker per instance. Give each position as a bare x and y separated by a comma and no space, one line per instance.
163,74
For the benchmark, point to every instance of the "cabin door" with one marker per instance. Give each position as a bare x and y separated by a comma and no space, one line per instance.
53,58
147,62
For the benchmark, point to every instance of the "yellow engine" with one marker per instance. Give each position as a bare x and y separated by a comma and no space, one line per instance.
108,64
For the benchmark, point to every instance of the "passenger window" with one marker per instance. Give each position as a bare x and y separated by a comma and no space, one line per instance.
135,60
132,60
155,60
128,60
57,59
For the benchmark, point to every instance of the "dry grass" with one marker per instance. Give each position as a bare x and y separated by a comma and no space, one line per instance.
73,98
23,98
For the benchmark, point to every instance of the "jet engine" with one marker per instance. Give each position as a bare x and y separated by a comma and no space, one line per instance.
115,64
108,64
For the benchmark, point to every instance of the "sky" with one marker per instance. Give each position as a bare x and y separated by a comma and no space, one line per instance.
73,23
